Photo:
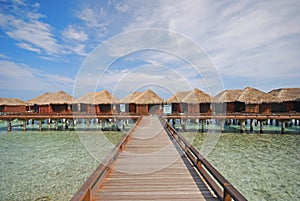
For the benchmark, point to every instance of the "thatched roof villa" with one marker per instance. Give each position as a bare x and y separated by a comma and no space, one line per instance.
198,102
257,101
177,103
227,101
98,102
12,105
57,102
130,106
148,102
290,98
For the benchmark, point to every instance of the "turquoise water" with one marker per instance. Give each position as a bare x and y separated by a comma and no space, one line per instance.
52,165
47,165
260,166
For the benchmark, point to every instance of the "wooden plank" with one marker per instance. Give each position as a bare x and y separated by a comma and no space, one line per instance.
150,168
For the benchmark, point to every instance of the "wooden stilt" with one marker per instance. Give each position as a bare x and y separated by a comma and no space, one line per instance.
9,126
202,126
222,125
24,125
283,131
56,124
251,125
261,123
40,125
242,126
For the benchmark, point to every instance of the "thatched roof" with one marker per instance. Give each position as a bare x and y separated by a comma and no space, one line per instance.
130,97
286,94
11,102
96,98
178,97
227,96
59,97
147,97
254,96
197,96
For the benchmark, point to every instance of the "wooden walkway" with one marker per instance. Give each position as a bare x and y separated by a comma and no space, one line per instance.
152,168
154,162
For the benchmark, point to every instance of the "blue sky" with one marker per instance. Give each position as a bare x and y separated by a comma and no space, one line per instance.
44,44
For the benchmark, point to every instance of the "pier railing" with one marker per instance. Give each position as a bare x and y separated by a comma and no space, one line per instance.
222,188
89,188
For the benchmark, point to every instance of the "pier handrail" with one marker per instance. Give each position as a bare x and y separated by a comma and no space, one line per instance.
85,193
223,189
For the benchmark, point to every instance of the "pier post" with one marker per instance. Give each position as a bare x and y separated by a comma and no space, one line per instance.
283,127
261,123
66,124
56,124
23,125
40,124
251,125
49,123
9,126
222,125
242,125
202,125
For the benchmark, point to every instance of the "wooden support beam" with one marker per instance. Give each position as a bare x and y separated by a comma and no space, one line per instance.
283,131
9,126
261,124
56,124
23,124
222,121
242,126
40,125
251,125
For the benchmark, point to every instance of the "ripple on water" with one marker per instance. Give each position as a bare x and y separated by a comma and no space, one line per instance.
262,167
47,165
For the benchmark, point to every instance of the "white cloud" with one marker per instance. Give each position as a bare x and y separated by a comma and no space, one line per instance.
15,76
3,56
74,33
31,34
237,35
122,7
29,47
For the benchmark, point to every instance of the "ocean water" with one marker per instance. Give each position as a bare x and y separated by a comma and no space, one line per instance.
52,165
260,166
47,165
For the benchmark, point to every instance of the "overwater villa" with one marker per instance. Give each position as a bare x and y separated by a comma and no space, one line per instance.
97,102
148,102
257,101
176,101
197,102
227,101
12,105
290,98
57,102
129,105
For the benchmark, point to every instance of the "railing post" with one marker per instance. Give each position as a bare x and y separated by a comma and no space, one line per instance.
226,196
87,196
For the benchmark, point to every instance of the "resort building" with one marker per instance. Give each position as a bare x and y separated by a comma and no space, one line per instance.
127,104
290,98
198,102
12,105
98,102
58,102
227,102
176,102
257,101
148,102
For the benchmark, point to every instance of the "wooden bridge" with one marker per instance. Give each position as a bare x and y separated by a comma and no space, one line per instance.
154,162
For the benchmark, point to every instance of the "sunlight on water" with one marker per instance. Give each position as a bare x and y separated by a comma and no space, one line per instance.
47,165
261,166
